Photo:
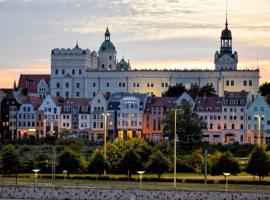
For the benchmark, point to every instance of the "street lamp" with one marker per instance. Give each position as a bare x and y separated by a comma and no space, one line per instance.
141,177
226,174
105,116
36,176
259,129
174,163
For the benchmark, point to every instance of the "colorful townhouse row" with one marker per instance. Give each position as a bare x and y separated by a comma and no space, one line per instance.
235,117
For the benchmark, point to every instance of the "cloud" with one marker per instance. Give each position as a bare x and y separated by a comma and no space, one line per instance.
147,31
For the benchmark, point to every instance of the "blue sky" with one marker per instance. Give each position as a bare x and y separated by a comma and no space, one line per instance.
151,33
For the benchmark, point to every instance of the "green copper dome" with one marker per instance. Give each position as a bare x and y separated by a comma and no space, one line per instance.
107,46
123,65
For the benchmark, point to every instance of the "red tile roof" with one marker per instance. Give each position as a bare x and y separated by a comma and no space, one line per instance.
35,101
30,81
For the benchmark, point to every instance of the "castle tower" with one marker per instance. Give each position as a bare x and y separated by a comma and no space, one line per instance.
107,53
225,59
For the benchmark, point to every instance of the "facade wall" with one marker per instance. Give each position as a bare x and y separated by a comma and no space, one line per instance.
150,82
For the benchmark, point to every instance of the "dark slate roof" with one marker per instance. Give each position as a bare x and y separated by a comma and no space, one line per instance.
166,102
77,102
115,99
235,98
208,104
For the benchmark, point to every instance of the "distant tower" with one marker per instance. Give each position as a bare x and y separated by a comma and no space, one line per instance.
225,59
107,53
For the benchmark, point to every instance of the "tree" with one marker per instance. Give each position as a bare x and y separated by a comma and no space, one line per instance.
141,147
131,162
164,147
195,161
98,163
174,91
226,163
71,161
119,147
207,90
158,163
10,159
189,127
265,89
259,162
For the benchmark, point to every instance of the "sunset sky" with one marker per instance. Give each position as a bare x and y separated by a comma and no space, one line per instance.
150,33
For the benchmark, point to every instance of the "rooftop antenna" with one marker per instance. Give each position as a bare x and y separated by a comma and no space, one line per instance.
226,13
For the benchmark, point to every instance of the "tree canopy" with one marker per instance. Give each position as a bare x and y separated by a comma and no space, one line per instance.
265,89
71,161
189,126
98,163
207,90
158,163
259,162
226,163
10,159
174,91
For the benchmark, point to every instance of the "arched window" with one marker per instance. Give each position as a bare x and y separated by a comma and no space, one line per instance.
63,71
56,71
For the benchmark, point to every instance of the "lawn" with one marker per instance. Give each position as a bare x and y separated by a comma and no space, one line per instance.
183,182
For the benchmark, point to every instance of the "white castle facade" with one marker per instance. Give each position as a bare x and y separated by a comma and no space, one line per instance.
80,73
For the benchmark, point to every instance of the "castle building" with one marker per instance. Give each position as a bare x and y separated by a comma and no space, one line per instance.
80,73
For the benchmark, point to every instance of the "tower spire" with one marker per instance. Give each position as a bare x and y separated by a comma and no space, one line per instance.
107,34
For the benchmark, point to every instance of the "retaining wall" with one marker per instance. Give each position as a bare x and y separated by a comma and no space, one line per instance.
120,194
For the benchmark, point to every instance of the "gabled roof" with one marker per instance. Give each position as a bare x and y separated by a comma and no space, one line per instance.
167,102
77,101
208,104
116,98
30,81
235,98
35,101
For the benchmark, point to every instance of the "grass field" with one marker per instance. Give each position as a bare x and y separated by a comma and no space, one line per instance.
183,182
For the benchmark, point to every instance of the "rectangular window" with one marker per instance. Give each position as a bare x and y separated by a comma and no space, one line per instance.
250,82
232,82
227,83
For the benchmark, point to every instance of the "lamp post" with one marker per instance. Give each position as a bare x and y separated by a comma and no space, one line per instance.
141,177
226,179
36,176
175,136
105,115
259,117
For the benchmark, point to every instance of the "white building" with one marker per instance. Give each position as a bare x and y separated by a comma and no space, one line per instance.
98,108
27,118
81,73
51,108
225,117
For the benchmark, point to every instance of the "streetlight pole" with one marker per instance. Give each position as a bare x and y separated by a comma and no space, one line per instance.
175,136
105,115
259,129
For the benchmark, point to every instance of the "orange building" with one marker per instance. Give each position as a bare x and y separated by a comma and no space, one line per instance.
154,113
